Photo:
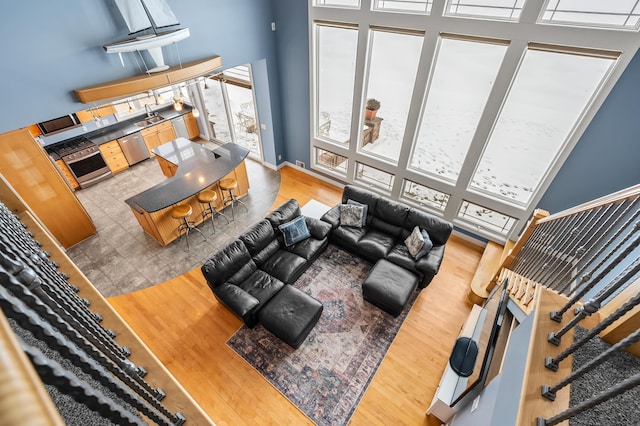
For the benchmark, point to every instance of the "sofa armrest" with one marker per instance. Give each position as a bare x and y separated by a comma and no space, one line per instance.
237,301
332,217
430,264
317,228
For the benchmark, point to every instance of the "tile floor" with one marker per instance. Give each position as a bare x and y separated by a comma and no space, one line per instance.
121,258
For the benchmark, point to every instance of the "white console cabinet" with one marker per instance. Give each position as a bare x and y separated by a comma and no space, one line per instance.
451,384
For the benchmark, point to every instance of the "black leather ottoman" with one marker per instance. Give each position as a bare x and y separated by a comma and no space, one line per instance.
389,286
291,315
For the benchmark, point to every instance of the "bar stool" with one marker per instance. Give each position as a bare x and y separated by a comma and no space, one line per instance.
229,184
208,197
181,213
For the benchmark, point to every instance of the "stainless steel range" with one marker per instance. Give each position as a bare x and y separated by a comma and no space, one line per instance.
85,161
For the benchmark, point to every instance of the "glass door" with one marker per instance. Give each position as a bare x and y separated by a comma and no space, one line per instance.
229,101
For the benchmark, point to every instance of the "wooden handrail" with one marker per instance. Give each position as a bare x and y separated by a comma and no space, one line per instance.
616,197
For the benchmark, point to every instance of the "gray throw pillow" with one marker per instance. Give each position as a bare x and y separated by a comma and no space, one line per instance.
414,241
426,247
351,215
365,209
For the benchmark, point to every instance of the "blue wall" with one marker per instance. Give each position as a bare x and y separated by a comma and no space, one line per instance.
292,37
606,158
52,47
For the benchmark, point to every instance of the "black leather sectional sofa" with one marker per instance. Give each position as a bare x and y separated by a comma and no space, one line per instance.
388,224
247,273
252,276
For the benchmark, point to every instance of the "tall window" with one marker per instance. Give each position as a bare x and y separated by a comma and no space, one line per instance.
392,74
461,83
472,121
336,67
548,96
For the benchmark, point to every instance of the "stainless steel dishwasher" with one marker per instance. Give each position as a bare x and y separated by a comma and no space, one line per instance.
133,148
180,127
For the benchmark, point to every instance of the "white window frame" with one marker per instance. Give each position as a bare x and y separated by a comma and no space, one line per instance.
527,29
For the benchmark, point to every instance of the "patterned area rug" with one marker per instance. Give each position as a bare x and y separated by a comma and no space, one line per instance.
327,376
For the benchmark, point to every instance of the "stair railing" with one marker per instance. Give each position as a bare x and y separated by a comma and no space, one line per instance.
588,257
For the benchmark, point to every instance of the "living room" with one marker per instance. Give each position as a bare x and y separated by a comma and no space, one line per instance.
61,52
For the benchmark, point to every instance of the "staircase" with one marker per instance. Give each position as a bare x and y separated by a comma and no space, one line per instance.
576,272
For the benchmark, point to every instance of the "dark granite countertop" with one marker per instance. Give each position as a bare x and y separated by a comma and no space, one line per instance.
120,129
125,128
198,168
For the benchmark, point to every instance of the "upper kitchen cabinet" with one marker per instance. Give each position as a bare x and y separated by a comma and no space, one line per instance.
142,83
27,168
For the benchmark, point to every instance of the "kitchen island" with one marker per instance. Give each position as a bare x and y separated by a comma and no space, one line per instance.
190,168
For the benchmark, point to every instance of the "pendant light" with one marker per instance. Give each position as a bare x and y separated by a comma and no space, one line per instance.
196,112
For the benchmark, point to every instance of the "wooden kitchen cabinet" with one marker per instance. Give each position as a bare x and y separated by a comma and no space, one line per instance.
34,177
67,174
192,125
114,156
157,135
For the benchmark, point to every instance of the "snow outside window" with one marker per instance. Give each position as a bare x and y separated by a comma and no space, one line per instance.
392,75
336,62
548,96
461,82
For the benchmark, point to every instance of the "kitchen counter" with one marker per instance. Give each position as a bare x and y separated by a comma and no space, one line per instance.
125,128
196,169
120,129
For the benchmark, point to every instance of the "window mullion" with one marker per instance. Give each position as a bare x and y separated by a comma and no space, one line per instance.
363,53
417,99
492,108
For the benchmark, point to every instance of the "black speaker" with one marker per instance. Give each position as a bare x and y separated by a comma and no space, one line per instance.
463,356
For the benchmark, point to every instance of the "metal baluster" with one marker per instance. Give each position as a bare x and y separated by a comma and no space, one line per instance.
66,382
576,250
552,363
604,247
594,242
17,287
557,315
27,318
612,392
527,251
68,302
540,259
594,304
61,300
566,249
549,392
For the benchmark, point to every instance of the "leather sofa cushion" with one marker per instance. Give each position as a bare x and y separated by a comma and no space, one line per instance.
347,236
291,315
354,193
377,244
284,213
261,241
262,286
439,230
318,228
233,263
285,266
310,248
258,236
401,257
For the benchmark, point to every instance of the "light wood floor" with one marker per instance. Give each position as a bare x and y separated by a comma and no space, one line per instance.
186,327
